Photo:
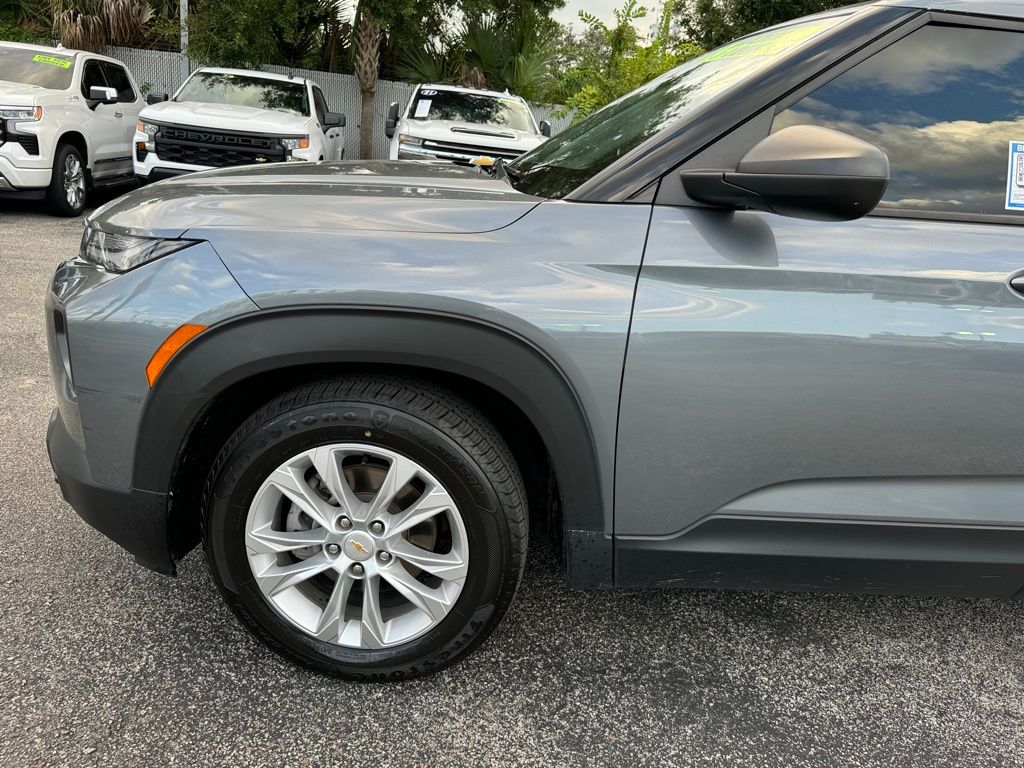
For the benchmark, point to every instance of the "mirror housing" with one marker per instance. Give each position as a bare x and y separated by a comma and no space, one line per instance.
156,98
545,128
392,122
334,120
805,171
98,94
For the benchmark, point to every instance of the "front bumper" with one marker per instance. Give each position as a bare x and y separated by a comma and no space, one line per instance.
413,152
137,520
16,178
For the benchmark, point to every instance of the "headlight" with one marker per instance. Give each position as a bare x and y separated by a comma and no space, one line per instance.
147,128
297,143
404,138
119,253
21,113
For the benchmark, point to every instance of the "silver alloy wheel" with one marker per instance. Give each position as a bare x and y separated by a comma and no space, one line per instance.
74,181
357,545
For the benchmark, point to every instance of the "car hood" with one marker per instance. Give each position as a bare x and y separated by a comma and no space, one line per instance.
396,196
227,117
20,94
495,136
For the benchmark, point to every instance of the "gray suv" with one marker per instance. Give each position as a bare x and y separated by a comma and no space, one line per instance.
671,340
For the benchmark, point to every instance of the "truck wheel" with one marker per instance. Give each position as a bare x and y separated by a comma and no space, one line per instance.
368,527
67,194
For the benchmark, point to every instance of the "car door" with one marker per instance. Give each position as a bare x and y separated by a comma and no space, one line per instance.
105,126
833,405
332,141
129,105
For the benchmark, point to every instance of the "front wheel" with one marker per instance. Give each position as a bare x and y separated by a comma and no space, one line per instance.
66,195
368,528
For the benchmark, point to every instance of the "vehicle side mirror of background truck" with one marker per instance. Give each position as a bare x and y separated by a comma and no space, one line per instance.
392,121
156,98
804,171
545,128
334,120
98,94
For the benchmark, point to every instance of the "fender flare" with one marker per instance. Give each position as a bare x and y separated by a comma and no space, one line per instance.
231,352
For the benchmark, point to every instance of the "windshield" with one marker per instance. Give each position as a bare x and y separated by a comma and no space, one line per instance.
246,91
23,65
564,162
505,112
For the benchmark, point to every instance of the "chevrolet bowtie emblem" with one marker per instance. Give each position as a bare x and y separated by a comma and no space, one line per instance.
359,547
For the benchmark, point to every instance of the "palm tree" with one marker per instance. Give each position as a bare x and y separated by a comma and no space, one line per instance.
486,54
367,67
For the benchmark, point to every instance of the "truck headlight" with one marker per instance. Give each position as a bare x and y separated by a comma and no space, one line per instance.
119,253
405,138
21,113
292,144
149,129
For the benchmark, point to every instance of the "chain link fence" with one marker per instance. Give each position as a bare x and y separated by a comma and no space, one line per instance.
165,71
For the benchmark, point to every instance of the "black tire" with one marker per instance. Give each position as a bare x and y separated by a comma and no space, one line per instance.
56,197
445,435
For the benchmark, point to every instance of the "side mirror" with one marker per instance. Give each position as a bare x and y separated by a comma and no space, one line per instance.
392,122
545,128
100,95
334,120
804,171
156,98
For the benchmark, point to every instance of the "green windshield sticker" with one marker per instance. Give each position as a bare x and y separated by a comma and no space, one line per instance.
53,60
767,44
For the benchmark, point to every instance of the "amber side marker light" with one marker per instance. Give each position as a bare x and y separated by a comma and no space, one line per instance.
181,336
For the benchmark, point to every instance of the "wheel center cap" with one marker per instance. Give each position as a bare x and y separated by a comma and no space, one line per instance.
359,546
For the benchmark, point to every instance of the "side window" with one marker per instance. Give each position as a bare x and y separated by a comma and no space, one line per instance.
120,81
92,75
944,103
320,105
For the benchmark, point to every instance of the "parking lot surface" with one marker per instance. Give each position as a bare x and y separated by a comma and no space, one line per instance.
103,663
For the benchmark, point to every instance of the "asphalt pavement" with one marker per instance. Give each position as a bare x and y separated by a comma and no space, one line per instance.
103,663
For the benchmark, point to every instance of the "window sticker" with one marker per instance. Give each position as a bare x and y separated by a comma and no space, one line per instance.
422,108
53,60
1015,177
428,92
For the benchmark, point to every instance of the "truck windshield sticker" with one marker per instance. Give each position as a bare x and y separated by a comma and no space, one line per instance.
428,92
1015,177
768,43
52,60
422,108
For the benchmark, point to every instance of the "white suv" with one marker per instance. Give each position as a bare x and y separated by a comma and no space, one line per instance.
450,122
227,117
66,124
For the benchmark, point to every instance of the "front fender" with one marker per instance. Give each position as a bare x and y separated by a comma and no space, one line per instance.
232,352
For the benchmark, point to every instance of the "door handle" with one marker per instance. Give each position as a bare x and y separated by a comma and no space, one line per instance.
119,114
1017,283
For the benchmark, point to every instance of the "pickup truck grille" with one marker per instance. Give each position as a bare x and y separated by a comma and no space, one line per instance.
470,150
216,149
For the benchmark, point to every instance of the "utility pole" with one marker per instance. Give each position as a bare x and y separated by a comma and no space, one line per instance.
183,19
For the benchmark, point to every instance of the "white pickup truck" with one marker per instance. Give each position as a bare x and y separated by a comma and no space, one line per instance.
450,122
66,124
227,117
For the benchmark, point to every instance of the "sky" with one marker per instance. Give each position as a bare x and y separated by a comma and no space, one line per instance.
603,9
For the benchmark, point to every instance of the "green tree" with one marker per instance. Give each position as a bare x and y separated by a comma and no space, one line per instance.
488,52
711,23
619,63
250,33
